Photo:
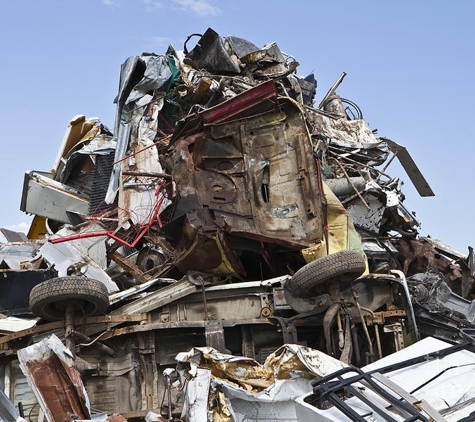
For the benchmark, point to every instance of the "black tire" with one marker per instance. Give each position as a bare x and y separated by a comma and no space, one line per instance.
49,299
312,279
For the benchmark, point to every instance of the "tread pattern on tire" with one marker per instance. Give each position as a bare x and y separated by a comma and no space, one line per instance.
48,299
340,266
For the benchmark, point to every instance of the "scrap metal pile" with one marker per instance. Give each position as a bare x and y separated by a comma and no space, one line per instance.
225,210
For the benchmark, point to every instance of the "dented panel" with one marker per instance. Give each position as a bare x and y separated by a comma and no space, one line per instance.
52,375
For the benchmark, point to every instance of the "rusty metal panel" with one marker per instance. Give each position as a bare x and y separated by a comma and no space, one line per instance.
52,375
258,175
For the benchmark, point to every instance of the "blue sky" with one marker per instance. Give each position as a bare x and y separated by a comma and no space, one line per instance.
410,67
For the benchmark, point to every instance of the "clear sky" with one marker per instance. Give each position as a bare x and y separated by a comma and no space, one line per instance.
410,67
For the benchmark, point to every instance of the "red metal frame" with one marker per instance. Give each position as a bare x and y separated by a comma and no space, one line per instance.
109,233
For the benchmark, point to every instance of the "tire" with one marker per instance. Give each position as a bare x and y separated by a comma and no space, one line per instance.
312,279
49,299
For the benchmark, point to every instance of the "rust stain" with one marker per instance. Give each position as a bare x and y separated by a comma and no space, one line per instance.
61,388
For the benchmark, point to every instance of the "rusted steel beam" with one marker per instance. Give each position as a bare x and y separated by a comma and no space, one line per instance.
181,324
152,301
50,326
29,331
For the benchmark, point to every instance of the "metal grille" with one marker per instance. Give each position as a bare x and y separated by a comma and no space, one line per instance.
100,183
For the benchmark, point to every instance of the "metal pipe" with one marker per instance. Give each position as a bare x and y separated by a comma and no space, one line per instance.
169,396
342,157
327,323
346,352
332,90
356,348
341,337
341,186
378,341
101,346
387,165
200,279
352,185
146,174
365,328
411,313
69,328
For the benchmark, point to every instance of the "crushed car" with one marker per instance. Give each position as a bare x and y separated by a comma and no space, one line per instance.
228,215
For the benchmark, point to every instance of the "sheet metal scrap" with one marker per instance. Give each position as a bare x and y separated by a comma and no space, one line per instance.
52,375
214,147
440,311
221,165
254,194
221,171
421,256
253,391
